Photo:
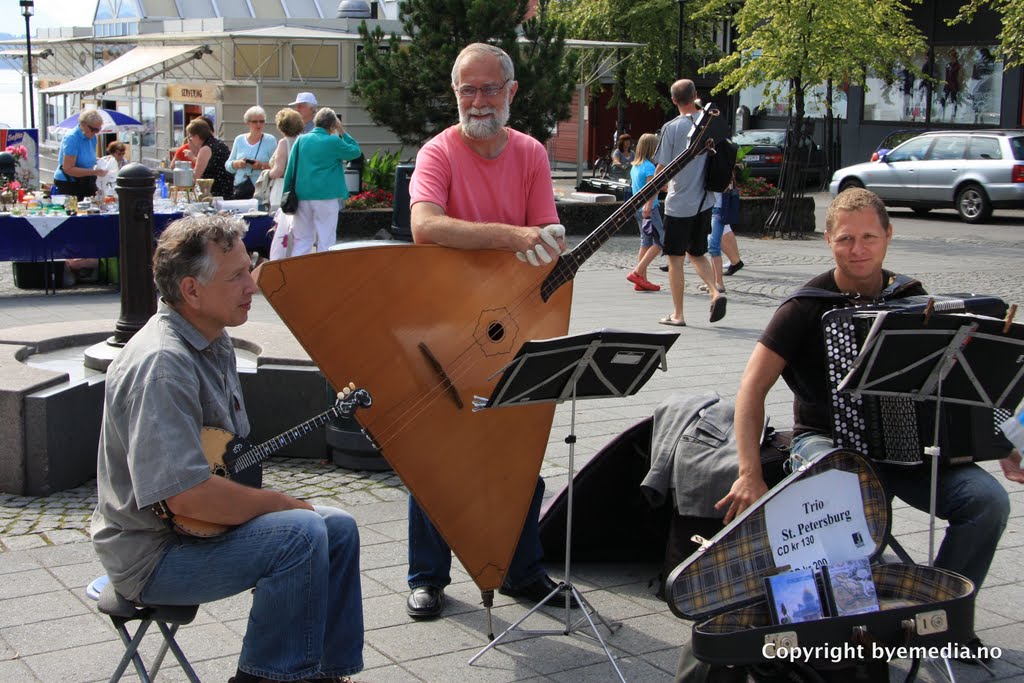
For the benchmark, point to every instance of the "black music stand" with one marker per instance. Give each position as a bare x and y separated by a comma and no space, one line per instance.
941,358
599,364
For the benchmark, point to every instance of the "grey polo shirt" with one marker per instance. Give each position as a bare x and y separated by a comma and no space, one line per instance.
686,189
167,383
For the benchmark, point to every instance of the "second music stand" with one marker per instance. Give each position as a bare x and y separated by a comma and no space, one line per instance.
599,364
959,359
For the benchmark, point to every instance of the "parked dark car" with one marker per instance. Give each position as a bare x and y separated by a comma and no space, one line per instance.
893,140
765,156
972,171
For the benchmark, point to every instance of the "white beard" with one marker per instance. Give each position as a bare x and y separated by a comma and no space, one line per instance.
481,129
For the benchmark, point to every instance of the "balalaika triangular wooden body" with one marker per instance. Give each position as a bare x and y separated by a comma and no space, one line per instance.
429,328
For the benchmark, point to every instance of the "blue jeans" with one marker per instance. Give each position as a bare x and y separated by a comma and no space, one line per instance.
307,614
717,228
430,558
969,498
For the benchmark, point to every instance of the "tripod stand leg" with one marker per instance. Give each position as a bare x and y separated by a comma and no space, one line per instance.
597,634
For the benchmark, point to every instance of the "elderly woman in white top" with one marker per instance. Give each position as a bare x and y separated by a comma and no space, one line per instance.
250,153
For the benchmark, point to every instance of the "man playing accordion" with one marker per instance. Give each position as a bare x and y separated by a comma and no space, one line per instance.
975,505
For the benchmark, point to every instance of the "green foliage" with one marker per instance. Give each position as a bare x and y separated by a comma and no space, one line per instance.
788,47
742,172
379,171
1011,38
406,86
652,23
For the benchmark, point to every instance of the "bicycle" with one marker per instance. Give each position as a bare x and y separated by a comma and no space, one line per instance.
603,164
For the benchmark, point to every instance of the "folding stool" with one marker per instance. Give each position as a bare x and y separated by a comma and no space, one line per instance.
167,618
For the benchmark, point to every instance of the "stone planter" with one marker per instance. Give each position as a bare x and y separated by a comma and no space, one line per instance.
362,223
754,212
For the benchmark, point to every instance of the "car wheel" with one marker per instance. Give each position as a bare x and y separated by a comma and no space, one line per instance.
921,210
848,183
972,204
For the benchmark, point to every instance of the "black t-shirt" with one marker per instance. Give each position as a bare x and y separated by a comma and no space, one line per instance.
795,333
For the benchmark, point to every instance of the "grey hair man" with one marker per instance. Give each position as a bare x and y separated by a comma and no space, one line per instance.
181,367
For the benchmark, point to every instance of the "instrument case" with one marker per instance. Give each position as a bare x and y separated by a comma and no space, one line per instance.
721,588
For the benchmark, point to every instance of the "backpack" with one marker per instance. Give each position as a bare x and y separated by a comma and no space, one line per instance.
720,165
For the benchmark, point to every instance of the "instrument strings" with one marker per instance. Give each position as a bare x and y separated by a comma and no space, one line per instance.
563,272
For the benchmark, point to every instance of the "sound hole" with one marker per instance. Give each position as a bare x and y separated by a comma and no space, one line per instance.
495,331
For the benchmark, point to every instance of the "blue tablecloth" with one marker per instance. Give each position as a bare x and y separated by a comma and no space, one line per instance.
94,236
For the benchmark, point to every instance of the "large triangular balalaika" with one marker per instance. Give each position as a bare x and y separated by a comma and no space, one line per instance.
424,329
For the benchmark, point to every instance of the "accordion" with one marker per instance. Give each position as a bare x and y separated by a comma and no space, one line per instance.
896,428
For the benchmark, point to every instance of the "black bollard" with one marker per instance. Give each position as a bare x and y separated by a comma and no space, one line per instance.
135,184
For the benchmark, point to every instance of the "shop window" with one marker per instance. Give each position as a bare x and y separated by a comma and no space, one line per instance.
257,61
316,61
967,89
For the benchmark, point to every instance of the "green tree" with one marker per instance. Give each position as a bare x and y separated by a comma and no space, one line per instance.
1011,38
788,47
406,84
652,23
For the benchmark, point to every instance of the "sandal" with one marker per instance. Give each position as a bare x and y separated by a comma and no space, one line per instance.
717,308
669,320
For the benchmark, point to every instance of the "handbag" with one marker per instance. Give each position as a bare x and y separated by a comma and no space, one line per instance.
244,189
289,199
730,211
289,202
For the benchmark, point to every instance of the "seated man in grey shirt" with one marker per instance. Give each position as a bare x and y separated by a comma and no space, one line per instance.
176,376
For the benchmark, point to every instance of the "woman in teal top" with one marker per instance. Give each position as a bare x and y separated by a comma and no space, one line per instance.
316,173
76,173
250,154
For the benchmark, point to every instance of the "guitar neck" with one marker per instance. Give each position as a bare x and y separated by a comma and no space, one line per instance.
569,264
258,454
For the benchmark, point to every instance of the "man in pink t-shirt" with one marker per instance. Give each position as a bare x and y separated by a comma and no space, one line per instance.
480,185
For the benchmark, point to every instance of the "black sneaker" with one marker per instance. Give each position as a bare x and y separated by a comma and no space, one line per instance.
734,267
663,269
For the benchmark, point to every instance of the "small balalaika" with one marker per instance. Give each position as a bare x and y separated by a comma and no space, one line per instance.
896,429
234,458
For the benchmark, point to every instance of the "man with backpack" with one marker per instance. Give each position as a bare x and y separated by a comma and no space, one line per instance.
687,207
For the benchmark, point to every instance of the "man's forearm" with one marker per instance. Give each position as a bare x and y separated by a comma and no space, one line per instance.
453,232
749,430
222,501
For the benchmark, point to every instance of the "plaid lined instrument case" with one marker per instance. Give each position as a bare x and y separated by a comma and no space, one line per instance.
721,588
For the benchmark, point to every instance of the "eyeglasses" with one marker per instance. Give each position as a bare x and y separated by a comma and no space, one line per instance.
470,91
94,129
256,121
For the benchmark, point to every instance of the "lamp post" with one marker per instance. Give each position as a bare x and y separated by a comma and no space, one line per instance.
679,42
27,8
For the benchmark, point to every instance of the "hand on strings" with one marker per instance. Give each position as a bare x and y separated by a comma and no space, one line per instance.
745,490
549,242
1011,467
